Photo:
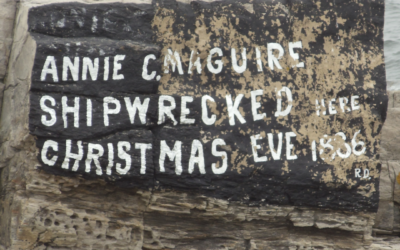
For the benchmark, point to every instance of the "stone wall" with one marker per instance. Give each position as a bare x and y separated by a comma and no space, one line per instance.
7,16
42,211
388,216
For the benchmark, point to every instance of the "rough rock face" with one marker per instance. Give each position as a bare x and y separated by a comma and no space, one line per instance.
241,108
7,15
44,211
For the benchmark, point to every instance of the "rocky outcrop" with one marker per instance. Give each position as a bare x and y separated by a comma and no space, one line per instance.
44,211
388,215
7,16
8,8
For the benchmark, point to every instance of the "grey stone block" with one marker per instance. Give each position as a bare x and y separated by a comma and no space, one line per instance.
1,95
7,16
390,140
385,216
394,167
396,99
386,183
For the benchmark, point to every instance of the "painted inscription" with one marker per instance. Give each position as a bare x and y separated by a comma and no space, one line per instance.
254,102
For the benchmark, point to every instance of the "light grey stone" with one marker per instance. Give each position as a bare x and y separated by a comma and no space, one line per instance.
390,140
303,218
385,243
396,220
394,167
1,95
390,99
386,183
7,17
385,216
396,99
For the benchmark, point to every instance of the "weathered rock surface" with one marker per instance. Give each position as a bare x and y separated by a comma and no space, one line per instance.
42,211
7,17
301,156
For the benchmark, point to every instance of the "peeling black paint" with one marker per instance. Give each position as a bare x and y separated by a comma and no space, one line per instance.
353,66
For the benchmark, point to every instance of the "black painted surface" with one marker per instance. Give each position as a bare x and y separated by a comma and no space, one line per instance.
100,49
66,30
115,21
133,177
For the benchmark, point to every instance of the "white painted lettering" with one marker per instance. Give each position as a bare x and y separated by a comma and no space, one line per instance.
143,147
94,24
355,105
174,154
258,59
89,113
49,67
295,56
276,154
166,110
279,111
256,105
137,105
204,110
235,66
52,112
326,145
220,64
73,68
357,173
69,155
314,150
74,109
196,64
356,144
106,68
233,109
145,74
290,146
117,67
91,156
108,111
222,154
92,67
323,105
49,144
332,110
255,147
366,173
271,57
110,158
123,146
197,148
185,111
348,148
342,102
317,106
174,59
